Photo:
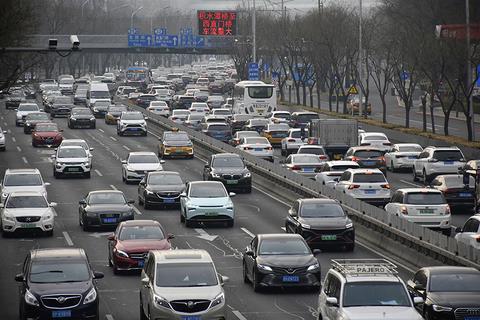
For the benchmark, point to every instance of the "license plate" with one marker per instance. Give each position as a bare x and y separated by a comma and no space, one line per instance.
329,237
471,318
448,162
168,200
465,194
28,225
133,129
412,157
73,169
140,263
232,181
426,211
109,220
307,169
211,214
191,318
61,314
370,191
290,279
368,163
258,149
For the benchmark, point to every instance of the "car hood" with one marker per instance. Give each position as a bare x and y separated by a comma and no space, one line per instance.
287,260
186,293
19,212
178,143
381,313
325,223
60,288
48,133
209,201
455,299
166,187
133,121
145,167
115,113
108,208
73,160
229,170
24,113
132,246
82,116
10,189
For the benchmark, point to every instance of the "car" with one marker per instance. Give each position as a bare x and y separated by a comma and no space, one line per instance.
71,160
456,192
402,155
100,106
61,106
292,142
276,132
205,202
369,185
199,107
78,142
113,113
125,91
257,146
14,99
109,77
144,100
469,233
173,278
307,165
433,161
237,136
81,118
367,157
3,145
313,149
365,289
22,180
354,103
175,143
159,107
182,102
179,116
222,112
132,122
449,292
424,206
375,139
229,169
46,134
280,260
23,110
80,97
129,245
301,119
256,124
194,121
58,283
331,171
280,117
28,211
215,102
104,208
238,121
216,87
162,94
219,131
138,164
32,119
161,188
200,96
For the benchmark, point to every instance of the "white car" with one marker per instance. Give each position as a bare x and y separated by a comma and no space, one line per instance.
138,163
280,117
77,142
313,149
179,116
369,185
331,171
3,145
424,206
402,155
374,139
470,232
304,164
22,180
27,210
24,109
162,94
434,161
159,107
291,143
132,122
71,160
109,76
199,107
222,112
257,146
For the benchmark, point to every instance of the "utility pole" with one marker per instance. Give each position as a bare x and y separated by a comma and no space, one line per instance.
360,63
469,69
254,31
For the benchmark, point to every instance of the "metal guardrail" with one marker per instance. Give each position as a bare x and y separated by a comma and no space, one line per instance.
425,241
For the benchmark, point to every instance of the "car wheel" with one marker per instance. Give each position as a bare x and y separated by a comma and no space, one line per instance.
415,178
87,175
248,189
245,276
146,205
427,315
34,144
182,218
320,316
49,233
282,152
56,174
115,269
230,223
188,223
255,284
84,225
447,232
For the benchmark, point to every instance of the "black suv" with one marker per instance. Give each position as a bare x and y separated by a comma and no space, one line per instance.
81,118
58,283
229,169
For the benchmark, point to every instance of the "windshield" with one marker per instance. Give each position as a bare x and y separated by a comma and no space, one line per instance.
71,153
59,271
305,159
227,162
260,92
27,107
447,155
128,90
283,247
164,179
66,81
368,153
83,111
424,198
362,294
106,198
46,128
317,151
321,210
26,202
219,112
369,177
141,233
81,93
158,104
199,274
208,190
14,180
143,158
132,116
463,282
181,136
100,94
195,117
215,98
241,117
343,168
180,113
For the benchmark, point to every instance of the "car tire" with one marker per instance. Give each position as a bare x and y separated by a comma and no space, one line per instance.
248,189
182,218
87,175
93,126
34,144
188,223
245,276
143,316
320,316
49,233
115,269
447,232
146,205
230,223
426,178
415,178
56,175
84,226
282,152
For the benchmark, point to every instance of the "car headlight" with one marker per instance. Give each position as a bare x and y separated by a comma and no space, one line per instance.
9,218
73,118
59,164
30,299
91,296
438,308
121,253
218,300
130,170
264,267
162,302
314,267
349,225
304,225
86,163
216,175
92,119
4,195
95,109
247,174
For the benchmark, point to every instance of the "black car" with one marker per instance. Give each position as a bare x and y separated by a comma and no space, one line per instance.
455,191
80,97
322,223
61,109
104,208
229,169
145,99
14,100
183,102
302,118
280,260
32,119
161,188
81,118
58,283
59,101
238,121
449,293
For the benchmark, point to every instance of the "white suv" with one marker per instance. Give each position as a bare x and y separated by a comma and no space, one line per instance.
292,142
139,163
23,110
365,289
132,122
22,180
470,232
434,161
369,185
71,160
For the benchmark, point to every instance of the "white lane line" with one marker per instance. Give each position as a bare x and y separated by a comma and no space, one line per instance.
126,148
109,317
154,134
5,123
19,149
101,130
67,238
113,187
113,138
13,139
136,210
9,131
98,172
411,183
284,229
248,232
397,262
273,197
25,160
239,315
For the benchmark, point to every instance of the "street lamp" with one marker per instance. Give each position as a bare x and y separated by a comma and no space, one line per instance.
469,68
133,14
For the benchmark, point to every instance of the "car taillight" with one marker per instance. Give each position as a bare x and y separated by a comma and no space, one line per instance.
355,159
247,148
387,144
385,186
353,186
404,210
477,238
295,168
268,148
291,140
322,157
174,118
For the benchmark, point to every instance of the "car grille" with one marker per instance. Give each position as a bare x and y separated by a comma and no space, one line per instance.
133,126
168,194
138,255
464,313
210,206
284,271
190,306
47,139
140,171
83,121
28,219
61,301
230,176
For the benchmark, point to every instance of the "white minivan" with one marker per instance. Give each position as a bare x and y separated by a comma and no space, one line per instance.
97,91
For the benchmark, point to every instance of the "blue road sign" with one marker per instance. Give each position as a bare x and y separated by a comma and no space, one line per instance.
405,75
477,84
132,31
253,72
140,40
166,41
161,39
275,75
266,66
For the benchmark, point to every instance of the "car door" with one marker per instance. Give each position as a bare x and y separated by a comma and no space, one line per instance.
292,223
343,182
142,185
417,287
250,259
419,163
392,207
146,289
469,231
332,311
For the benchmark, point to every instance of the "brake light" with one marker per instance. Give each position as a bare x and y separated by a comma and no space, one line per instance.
295,168
174,118
385,186
355,159
477,238
268,148
247,148
322,157
353,186
291,140
404,210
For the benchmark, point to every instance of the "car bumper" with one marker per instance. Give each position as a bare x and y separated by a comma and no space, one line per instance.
134,131
128,264
210,215
41,225
404,163
83,123
380,201
276,279
460,201
178,152
440,222
317,239
156,198
215,313
134,176
72,170
82,311
99,220
47,142
235,184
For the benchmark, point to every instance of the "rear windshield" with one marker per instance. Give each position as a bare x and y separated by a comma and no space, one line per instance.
448,155
375,137
253,140
410,149
28,107
218,127
424,198
318,151
296,134
305,159
370,177
368,153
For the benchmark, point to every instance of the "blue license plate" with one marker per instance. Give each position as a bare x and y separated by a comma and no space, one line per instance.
368,163
412,157
472,318
258,149
109,220
191,318
307,169
168,200
465,195
61,314
448,162
370,191
140,263
133,129
291,279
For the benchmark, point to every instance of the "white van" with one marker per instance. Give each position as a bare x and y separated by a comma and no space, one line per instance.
97,91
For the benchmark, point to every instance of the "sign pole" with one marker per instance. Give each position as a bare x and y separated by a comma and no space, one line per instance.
254,31
469,68
360,64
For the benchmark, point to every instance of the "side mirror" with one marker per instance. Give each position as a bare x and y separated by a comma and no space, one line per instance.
458,230
170,236
332,301
292,213
418,300
111,237
162,161
98,275
131,201
61,130
124,161
53,156
146,118
53,204
20,277
82,202
47,183
4,132
91,149
232,194
248,251
183,194
146,282
41,110
207,166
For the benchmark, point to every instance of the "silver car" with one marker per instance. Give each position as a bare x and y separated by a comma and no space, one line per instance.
22,180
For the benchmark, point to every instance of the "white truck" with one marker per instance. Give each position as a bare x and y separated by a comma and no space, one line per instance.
335,135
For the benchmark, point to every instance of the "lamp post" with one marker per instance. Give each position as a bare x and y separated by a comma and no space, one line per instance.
469,68
133,14
360,62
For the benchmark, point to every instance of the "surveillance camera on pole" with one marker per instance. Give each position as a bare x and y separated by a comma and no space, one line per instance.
75,42
52,44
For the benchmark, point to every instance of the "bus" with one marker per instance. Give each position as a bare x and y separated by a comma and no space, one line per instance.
138,77
254,98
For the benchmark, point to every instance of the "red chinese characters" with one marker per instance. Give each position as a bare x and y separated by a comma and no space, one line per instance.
217,23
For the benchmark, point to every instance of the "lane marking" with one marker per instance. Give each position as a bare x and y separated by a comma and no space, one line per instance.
412,184
113,187
101,130
25,160
273,197
113,138
126,148
109,317
136,210
154,134
13,139
284,229
19,149
248,232
204,235
98,172
9,131
5,123
239,315
67,238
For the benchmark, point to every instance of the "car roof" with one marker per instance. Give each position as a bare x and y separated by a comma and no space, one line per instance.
450,270
423,190
105,191
342,163
373,133
58,254
407,145
22,171
141,153
318,200
364,170
304,112
73,140
162,173
366,148
131,223
70,147
182,256
314,146
278,236
205,182
225,155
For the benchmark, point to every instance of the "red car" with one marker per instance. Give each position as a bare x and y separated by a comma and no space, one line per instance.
129,245
46,134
